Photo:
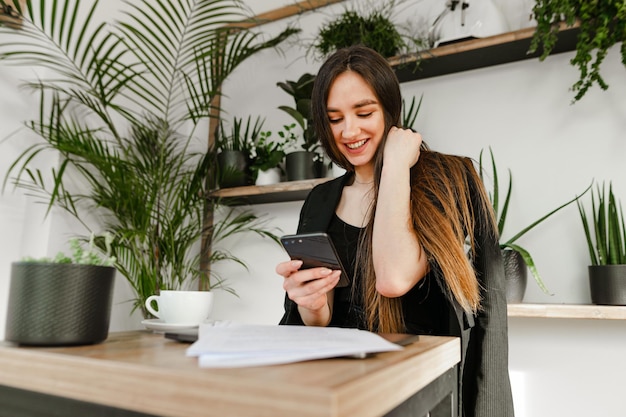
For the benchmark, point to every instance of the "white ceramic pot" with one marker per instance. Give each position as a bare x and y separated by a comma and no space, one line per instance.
271,176
478,19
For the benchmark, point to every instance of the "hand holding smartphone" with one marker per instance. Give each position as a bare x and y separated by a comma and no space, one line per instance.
315,250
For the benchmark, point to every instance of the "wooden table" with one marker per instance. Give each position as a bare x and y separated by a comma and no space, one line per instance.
142,373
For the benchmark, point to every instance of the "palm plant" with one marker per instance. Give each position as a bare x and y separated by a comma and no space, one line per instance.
607,226
122,105
501,215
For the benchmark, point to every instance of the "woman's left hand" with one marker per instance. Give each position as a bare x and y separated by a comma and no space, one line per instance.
403,146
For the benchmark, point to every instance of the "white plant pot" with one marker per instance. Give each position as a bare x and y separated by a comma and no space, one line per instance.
271,176
481,18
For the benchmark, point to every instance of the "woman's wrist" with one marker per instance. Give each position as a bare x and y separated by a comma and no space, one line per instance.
320,317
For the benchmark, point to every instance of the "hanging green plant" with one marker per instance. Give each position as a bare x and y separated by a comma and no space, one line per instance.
602,24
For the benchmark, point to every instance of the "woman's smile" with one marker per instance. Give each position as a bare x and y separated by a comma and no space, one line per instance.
357,145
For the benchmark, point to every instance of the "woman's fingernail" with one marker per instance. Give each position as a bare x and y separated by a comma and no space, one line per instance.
296,264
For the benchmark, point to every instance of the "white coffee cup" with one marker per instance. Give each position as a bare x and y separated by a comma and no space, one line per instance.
181,307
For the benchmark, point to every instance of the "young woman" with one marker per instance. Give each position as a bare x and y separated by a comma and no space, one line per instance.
414,230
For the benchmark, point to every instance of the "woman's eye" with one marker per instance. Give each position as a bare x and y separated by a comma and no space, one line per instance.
364,115
334,120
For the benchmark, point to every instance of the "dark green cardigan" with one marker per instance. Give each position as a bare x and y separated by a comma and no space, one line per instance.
484,385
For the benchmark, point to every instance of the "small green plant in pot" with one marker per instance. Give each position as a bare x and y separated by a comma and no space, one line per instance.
516,259
306,163
605,232
64,300
234,149
267,158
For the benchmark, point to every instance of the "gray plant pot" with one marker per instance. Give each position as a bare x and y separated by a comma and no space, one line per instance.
234,169
516,275
301,165
608,284
59,304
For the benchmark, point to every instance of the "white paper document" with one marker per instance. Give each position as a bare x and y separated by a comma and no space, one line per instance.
235,345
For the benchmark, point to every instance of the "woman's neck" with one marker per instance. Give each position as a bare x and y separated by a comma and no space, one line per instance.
364,175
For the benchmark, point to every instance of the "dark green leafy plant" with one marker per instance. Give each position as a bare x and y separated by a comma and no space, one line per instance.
301,91
240,137
121,103
602,24
375,30
373,26
409,114
502,211
606,227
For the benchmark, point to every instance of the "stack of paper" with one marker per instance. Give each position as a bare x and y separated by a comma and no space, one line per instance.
234,345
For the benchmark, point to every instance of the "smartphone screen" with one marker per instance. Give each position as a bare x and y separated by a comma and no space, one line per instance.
314,250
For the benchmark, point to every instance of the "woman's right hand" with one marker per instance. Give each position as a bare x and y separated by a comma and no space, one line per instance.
309,289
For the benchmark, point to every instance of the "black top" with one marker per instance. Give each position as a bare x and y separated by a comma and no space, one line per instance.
424,306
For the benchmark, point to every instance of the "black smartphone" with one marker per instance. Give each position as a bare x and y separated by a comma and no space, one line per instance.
315,250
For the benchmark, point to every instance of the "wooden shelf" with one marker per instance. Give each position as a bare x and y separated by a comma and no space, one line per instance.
477,53
567,311
275,193
450,58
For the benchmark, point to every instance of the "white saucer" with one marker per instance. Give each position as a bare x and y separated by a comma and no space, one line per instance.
160,325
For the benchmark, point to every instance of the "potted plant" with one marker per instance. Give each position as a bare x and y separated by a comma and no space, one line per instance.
516,259
309,162
234,149
62,301
267,158
605,231
122,108
601,25
373,28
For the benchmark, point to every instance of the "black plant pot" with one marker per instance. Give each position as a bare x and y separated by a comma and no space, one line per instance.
234,169
608,284
301,165
516,275
59,304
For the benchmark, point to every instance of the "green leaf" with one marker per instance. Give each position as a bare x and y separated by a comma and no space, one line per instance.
530,263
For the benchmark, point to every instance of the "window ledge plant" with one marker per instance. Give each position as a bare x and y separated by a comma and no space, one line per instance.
602,24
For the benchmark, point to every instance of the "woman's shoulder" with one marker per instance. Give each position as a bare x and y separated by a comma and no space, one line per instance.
330,187
320,204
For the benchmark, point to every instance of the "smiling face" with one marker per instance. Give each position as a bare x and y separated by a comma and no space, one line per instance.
356,119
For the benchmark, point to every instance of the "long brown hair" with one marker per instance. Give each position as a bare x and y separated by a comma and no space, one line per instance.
449,205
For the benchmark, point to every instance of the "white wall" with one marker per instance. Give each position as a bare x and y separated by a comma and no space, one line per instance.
522,110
